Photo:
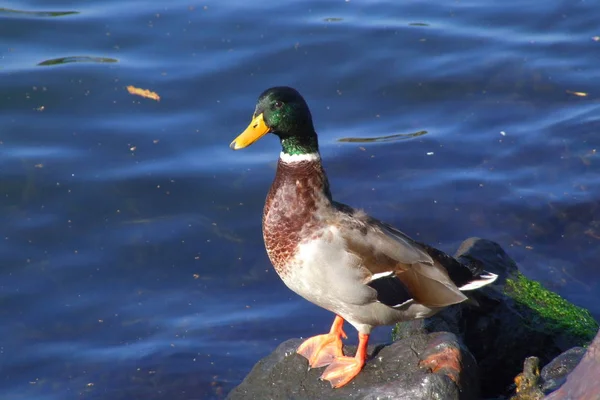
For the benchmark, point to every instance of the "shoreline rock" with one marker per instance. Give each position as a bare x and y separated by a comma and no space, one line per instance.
513,319
423,367
583,383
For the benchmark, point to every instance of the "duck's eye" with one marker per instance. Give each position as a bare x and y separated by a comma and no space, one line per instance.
278,105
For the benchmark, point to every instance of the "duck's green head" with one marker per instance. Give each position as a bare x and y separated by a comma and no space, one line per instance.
282,111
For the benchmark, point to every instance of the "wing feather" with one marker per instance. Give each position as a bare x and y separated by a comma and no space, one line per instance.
384,250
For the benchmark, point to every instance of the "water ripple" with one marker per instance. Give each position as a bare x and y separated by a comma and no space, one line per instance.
77,59
38,14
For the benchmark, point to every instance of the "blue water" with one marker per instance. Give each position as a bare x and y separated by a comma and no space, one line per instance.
131,258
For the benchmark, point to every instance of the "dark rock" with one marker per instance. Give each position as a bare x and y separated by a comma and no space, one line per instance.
584,382
422,366
493,257
514,318
554,374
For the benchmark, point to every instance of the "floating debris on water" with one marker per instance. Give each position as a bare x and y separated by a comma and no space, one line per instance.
143,93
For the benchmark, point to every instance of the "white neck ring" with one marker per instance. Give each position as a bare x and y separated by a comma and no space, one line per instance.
295,158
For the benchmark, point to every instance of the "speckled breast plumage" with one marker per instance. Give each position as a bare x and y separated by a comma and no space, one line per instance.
290,214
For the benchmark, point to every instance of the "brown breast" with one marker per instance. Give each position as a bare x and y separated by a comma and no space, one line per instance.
299,192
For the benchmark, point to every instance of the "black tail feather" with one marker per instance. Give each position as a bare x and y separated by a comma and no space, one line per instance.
461,272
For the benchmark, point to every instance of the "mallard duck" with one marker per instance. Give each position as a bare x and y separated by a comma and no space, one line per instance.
363,270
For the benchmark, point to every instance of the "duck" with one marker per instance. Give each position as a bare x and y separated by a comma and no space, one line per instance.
363,270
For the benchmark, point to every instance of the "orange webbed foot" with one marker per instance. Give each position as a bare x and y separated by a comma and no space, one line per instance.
343,369
321,350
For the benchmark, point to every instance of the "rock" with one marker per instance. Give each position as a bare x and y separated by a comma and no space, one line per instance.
554,374
515,318
531,385
420,366
584,382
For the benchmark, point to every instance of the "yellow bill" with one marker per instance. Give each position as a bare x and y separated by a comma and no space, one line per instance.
253,132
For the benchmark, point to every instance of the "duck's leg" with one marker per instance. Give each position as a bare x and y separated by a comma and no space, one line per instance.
343,369
321,350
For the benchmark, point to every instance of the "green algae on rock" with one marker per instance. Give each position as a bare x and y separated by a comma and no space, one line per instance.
551,311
